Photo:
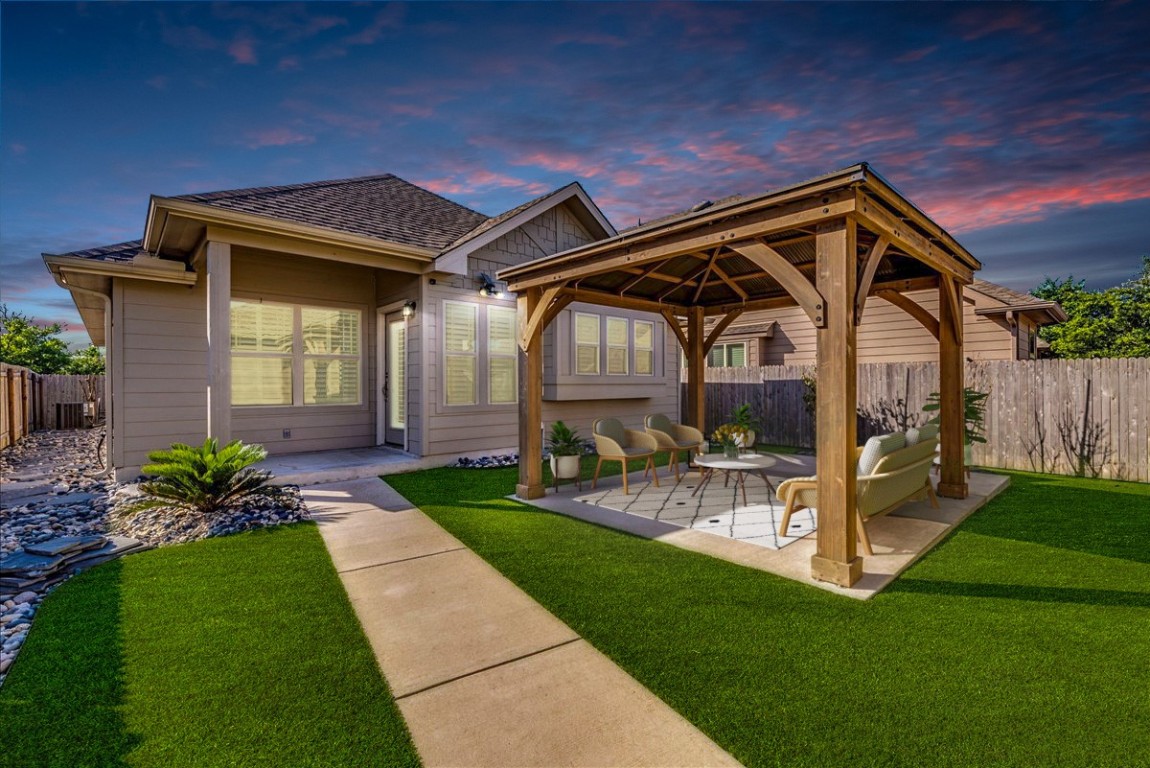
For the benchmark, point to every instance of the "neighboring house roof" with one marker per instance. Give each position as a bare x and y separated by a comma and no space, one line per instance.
384,207
118,252
1038,310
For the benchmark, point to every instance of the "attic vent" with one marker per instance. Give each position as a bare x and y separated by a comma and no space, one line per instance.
702,206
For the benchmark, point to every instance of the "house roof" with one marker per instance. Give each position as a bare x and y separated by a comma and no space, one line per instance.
384,207
495,221
109,253
1039,310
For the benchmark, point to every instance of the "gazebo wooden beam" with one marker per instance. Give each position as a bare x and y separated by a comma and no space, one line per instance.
900,233
912,308
673,323
836,558
866,277
696,369
530,485
802,212
706,273
787,275
952,405
619,302
718,329
532,324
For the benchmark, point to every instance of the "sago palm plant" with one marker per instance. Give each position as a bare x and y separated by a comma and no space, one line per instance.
204,481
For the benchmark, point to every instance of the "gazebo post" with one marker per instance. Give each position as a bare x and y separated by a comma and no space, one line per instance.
530,484
836,559
696,369
952,403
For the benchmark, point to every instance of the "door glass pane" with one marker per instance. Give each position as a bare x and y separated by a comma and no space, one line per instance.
329,381
396,370
261,380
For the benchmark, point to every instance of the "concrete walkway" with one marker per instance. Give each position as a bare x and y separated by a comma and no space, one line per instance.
484,675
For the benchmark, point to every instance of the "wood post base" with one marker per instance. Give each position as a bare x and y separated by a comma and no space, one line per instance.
953,490
528,492
843,574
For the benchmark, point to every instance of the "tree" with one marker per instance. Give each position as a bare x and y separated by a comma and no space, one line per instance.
27,343
1110,323
88,361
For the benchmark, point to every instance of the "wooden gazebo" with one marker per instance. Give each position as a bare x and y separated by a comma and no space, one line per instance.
825,245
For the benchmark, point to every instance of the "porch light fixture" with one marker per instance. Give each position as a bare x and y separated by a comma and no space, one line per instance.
488,287
408,308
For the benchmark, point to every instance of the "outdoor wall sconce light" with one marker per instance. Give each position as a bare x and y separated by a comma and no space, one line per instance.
488,286
408,308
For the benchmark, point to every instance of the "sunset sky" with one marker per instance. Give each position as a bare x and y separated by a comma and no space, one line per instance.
1024,129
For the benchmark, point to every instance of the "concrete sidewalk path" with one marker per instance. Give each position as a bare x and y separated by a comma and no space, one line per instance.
484,675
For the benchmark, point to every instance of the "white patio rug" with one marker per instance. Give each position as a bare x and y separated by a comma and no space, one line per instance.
718,510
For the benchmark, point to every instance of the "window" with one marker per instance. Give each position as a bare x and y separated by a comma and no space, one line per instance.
460,332
502,356
731,355
294,355
644,348
586,343
617,349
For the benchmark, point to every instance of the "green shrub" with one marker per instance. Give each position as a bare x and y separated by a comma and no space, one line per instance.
206,480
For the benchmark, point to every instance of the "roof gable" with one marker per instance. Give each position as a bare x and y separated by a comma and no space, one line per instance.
383,207
454,257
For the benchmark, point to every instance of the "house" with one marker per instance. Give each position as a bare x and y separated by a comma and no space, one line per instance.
346,314
998,324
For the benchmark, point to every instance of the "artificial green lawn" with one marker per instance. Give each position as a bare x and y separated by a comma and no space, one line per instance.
237,651
1022,640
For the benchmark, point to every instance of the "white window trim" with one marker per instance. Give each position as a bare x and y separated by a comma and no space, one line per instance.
298,355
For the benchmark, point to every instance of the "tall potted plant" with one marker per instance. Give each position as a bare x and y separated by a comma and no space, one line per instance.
566,449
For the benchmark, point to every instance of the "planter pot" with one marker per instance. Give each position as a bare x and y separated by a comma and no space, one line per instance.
565,467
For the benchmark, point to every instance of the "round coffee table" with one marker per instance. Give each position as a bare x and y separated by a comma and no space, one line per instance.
741,466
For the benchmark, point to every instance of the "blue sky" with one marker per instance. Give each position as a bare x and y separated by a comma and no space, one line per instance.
1022,128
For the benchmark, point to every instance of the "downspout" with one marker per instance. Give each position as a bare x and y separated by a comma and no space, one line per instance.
108,410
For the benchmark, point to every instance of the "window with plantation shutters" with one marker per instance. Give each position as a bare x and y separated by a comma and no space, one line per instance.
586,343
617,346
460,358
644,348
729,355
502,356
284,354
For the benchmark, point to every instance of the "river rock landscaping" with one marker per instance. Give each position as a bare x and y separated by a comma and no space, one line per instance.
58,516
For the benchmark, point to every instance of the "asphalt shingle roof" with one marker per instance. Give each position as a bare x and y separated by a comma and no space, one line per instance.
495,221
384,207
118,252
1007,296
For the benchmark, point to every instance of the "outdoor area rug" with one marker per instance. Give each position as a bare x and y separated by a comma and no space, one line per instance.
718,510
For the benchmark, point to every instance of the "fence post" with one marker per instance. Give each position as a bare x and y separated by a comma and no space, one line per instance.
12,415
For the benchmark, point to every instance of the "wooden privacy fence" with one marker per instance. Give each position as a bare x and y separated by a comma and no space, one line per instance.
31,401
1079,417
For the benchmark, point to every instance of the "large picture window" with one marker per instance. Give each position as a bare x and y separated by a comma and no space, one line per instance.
283,354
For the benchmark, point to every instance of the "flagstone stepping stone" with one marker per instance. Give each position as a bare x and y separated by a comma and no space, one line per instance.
23,562
65,544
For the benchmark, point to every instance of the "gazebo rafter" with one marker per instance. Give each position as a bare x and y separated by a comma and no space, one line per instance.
824,245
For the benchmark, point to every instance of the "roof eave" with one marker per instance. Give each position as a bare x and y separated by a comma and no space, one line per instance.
138,269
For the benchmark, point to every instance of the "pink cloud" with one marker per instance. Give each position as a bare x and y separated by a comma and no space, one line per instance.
916,55
474,180
277,137
391,17
968,141
1006,18
243,51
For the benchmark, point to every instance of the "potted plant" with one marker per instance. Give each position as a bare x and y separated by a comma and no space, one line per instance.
974,410
566,449
744,424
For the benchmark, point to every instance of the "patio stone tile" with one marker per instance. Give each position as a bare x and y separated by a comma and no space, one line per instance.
435,618
567,706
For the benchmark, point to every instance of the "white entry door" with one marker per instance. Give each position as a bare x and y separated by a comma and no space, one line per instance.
395,380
